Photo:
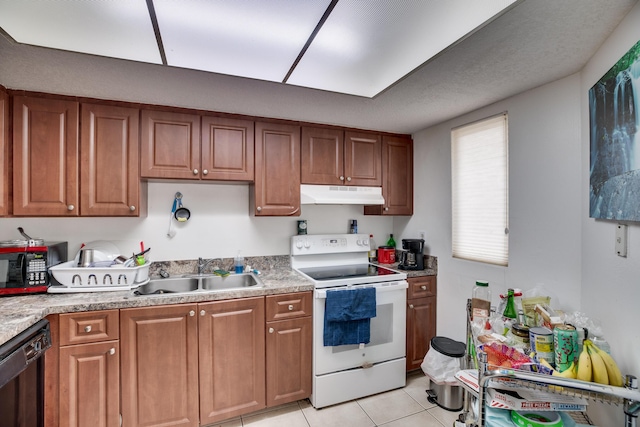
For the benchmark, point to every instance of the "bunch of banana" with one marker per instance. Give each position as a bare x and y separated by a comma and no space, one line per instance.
596,365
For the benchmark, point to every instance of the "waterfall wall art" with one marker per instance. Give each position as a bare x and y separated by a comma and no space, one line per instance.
614,116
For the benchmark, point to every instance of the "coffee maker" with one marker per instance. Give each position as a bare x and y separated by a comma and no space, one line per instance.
412,257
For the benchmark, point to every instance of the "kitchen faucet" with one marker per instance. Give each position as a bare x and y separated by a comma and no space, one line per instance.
202,264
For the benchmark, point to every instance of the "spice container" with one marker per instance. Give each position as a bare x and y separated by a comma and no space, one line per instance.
521,335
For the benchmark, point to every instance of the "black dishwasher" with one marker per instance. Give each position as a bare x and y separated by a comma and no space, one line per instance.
22,377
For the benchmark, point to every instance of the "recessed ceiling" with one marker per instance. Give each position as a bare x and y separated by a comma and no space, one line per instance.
348,46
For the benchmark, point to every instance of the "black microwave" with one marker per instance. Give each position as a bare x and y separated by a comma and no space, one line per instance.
24,268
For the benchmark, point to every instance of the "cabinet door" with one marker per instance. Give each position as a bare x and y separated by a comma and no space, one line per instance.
277,180
159,370
362,159
289,360
227,149
45,157
397,178
232,359
170,145
421,327
4,152
110,179
322,156
90,385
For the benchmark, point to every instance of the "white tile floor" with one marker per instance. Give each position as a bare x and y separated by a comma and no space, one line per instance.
406,407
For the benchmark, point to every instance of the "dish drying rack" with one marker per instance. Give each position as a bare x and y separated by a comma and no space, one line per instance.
628,396
97,279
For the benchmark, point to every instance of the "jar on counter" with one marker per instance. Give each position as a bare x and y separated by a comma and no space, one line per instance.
521,335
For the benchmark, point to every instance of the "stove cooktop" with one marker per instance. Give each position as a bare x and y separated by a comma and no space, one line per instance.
363,271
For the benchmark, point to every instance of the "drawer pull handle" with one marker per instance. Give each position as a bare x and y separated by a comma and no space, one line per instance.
423,287
290,307
87,328
271,330
112,351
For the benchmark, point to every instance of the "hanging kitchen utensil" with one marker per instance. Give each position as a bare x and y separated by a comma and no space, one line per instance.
181,214
171,232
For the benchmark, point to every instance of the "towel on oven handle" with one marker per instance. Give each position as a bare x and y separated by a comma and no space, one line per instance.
347,316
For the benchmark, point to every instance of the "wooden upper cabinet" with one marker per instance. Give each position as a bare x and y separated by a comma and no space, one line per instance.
109,171
227,149
45,157
277,174
336,157
170,146
322,156
4,152
362,165
397,174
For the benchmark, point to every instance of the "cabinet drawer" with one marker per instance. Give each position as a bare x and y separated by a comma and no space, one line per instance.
87,327
288,306
420,287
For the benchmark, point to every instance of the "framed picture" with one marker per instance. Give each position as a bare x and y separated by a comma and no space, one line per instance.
614,118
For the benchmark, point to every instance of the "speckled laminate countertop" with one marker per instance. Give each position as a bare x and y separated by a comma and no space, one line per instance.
19,312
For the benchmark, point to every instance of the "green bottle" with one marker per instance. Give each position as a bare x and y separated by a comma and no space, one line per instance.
510,310
391,242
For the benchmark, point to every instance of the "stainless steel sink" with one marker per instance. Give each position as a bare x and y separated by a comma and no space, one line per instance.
199,283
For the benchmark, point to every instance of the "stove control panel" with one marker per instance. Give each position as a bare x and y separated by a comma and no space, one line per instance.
311,244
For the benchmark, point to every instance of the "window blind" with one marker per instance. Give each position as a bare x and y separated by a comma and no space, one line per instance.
480,194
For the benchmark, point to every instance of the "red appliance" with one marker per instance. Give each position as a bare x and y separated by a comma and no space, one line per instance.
24,267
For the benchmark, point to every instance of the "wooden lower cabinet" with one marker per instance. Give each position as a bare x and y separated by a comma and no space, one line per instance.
4,152
89,385
159,366
289,354
421,318
231,357
82,370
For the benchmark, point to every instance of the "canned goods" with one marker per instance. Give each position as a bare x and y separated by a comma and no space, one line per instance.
302,226
565,345
541,341
521,335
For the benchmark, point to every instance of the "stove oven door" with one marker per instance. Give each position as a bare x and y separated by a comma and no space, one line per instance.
388,332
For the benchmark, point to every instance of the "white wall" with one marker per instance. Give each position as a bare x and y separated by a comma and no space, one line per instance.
553,242
219,226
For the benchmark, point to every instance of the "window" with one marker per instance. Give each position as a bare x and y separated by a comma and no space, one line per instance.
480,193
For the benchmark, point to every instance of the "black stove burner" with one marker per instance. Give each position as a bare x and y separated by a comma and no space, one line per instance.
321,274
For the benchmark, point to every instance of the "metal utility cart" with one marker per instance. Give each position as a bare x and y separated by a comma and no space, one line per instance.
628,397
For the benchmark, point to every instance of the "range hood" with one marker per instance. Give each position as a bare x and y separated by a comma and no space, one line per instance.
340,195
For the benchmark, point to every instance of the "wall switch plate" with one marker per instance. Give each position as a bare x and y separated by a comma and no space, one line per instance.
621,240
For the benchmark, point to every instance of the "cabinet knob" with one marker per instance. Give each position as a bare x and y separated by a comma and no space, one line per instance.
259,209
202,312
87,328
423,287
192,313
341,178
410,305
271,330
386,208
195,171
349,179
290,307
112,351
132,208
70,207
205,172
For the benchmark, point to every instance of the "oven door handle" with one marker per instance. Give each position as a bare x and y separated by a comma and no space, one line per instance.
396,286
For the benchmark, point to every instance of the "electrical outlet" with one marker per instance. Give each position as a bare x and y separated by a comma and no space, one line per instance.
621,240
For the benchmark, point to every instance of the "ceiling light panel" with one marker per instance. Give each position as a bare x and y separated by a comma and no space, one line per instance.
249,38
115,28
366,46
